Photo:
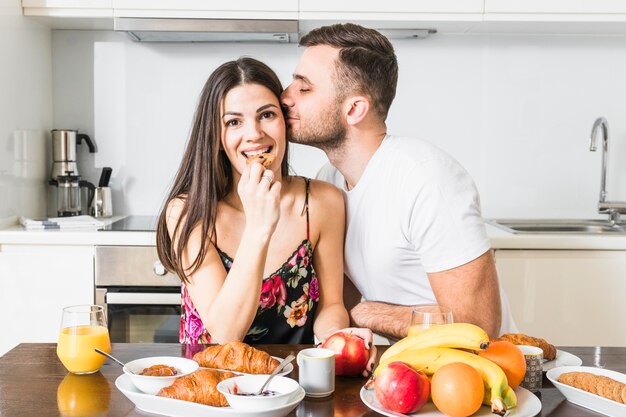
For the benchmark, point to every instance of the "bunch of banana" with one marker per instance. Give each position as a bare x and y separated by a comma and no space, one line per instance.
498,394
453,335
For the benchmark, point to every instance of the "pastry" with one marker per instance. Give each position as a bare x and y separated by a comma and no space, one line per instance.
549,351
198,387
266,159
238,357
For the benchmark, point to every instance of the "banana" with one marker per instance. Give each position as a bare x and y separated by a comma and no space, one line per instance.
509,399
453,335
498,394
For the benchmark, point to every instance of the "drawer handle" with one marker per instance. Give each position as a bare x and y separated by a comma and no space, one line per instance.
143,298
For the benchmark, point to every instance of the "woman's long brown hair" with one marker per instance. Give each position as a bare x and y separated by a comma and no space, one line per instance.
205,173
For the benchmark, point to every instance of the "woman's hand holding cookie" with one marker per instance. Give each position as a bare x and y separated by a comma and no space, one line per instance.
260,196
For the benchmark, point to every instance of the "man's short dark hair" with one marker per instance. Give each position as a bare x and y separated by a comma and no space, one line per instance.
366,65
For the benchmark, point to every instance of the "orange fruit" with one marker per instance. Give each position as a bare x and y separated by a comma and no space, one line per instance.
508,357
457,389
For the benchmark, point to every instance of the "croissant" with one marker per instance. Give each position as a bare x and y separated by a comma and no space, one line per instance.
238,357
198,387
549,351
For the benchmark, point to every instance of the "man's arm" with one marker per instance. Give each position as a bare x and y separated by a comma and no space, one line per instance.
385,319
472,292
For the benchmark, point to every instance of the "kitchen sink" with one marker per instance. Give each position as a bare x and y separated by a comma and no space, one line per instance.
569,226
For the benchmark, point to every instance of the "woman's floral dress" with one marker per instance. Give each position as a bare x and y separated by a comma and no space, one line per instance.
287,305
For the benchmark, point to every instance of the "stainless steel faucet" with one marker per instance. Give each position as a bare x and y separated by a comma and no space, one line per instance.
612,208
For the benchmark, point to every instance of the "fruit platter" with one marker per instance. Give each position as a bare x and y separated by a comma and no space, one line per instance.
454,370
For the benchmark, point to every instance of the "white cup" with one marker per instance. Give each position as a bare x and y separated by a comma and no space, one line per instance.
534,367
317,371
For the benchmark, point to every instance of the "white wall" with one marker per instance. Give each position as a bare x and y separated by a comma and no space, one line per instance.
515,110
25,112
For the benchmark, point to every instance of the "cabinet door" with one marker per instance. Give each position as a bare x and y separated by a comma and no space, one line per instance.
276,5
241,9
555,6
36,282
68,8
571,298
70,4
393,6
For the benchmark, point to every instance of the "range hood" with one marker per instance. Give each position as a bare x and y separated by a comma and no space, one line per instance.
207,30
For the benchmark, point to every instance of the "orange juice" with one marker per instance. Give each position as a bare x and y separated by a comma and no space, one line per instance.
76,348
416,328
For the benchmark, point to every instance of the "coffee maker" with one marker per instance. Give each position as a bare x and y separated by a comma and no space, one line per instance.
65,176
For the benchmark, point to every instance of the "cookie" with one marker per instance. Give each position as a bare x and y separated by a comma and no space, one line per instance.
566,378
596,384
266,159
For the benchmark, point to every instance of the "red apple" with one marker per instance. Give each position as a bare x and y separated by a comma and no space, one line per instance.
351,355
401,388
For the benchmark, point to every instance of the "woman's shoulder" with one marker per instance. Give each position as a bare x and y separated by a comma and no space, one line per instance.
318,189
325,195
175,208
325,189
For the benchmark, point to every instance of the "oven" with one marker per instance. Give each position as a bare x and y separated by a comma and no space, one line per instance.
140,298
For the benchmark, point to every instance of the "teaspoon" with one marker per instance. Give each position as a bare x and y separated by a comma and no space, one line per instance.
279,368
114,359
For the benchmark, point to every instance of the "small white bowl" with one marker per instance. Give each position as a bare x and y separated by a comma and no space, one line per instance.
283,386
152,384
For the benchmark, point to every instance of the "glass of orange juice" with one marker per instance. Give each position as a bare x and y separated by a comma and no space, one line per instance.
427,315
83,328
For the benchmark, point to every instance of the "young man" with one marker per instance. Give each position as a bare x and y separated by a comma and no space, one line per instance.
414,232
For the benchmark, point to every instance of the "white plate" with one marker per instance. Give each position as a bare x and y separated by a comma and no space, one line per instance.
562,359
586,399
179,408
528,405
286,370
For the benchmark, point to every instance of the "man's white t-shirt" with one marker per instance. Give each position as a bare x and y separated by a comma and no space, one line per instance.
415,210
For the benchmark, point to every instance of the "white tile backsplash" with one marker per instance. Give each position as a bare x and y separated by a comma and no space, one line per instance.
515,110
25,113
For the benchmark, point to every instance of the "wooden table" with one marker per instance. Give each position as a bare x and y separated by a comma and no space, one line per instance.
31,376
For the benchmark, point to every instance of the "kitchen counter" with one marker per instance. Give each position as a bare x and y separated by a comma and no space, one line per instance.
500,239
33,382
82,237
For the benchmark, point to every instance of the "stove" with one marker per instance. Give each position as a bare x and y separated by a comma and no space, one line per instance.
133,224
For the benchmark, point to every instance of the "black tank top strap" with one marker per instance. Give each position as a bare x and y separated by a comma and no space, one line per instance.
307,182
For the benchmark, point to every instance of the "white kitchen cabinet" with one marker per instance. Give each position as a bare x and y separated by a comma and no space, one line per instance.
68,8
199,9
569,297
555,6
455,16
555,16
348,7
36,282
71,14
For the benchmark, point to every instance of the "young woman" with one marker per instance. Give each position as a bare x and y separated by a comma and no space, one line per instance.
259,252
